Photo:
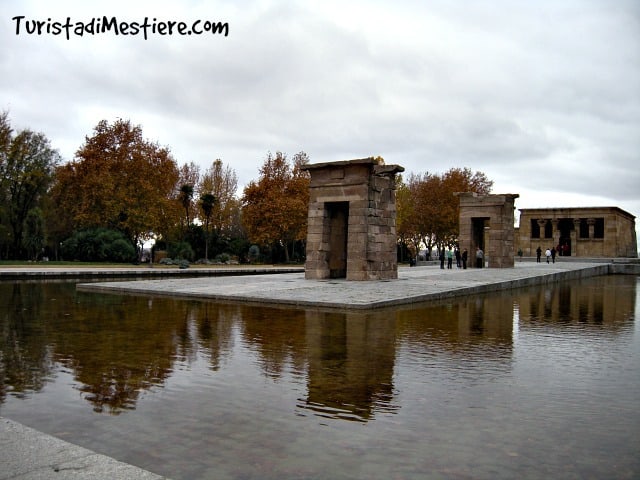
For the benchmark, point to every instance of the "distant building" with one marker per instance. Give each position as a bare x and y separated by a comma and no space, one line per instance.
607,232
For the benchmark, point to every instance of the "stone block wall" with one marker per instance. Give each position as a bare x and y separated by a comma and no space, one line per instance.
487,221
363,191
593,232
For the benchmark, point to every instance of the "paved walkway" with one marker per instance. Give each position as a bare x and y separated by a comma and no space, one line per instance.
413,285
26,454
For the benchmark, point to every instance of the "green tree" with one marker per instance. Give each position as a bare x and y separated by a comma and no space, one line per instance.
188,178
98,244
34,233
207,202
27,164
186,199
5,145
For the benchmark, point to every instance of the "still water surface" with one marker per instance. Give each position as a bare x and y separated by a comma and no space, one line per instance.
536,383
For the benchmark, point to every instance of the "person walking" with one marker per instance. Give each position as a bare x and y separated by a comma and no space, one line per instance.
456,252
464,257
547,254
479,258
553,255
441,256
538,253
449,258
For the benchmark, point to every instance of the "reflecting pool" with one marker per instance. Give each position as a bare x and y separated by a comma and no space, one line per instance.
535,383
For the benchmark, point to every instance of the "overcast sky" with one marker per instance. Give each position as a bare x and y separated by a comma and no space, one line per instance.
541,96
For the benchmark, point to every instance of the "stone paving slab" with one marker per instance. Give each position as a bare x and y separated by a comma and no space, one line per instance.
413,285
26,454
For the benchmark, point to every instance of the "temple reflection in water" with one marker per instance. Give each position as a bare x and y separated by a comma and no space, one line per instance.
117,347
592,304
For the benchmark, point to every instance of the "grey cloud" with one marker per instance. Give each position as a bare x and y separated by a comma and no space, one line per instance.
544,94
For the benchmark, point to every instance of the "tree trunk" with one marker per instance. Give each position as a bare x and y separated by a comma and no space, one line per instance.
286,252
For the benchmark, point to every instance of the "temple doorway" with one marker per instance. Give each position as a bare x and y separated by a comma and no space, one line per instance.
338,216
478,234
565,226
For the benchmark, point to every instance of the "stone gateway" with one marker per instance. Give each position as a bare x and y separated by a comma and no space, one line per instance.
486,223
352,220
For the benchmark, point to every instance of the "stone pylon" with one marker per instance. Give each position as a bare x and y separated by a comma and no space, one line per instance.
352,220
487,222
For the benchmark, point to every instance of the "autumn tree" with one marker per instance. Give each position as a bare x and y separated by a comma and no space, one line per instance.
275,208
459,180
298,193
27,164
189,174
429,210
222,182
224,224
119,180
407,228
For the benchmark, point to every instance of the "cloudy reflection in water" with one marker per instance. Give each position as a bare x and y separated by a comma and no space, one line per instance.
527,383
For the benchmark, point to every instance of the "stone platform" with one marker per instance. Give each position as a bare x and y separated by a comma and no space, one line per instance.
414,285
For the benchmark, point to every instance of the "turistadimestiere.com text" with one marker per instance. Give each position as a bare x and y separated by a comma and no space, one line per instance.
111,25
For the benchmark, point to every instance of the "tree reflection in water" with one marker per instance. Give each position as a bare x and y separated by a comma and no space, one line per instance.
120,346
531,383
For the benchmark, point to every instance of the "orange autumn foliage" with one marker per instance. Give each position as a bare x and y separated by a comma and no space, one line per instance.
428,210
275,208
119,180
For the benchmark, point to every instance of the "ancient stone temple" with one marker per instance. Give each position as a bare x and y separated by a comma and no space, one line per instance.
486,222
352,220
608,232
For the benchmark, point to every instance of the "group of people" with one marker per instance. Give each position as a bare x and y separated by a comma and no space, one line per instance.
461,258
550,254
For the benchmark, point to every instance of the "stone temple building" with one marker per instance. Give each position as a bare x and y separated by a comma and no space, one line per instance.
607,232
351,229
